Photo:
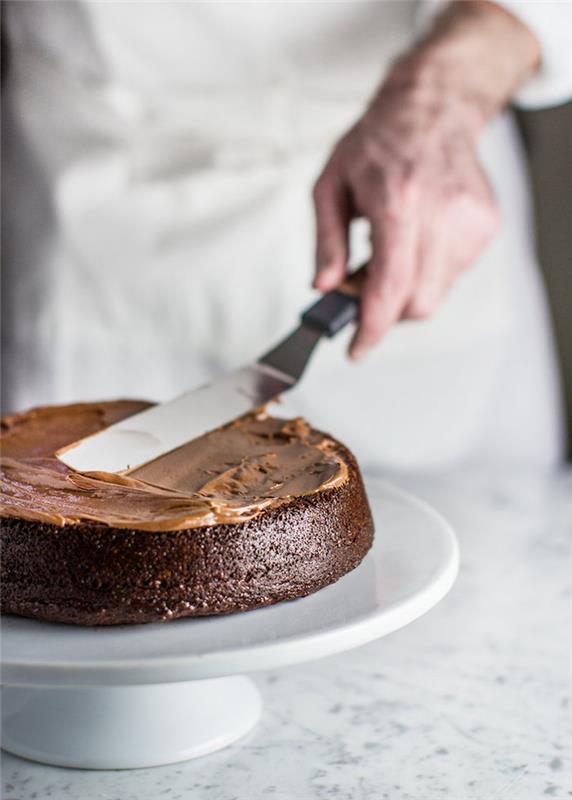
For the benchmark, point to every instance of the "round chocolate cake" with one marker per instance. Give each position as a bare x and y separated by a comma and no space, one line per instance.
258,511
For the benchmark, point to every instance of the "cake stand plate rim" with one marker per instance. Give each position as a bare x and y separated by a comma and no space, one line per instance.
383,617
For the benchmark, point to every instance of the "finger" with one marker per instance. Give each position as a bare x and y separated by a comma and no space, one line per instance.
332,220
389,279
433,277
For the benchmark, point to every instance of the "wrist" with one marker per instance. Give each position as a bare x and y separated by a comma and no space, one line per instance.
429,82
476,55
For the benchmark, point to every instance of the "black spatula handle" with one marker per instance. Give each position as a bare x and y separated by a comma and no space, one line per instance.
338,308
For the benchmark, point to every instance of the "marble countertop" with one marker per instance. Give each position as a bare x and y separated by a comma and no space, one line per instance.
470,702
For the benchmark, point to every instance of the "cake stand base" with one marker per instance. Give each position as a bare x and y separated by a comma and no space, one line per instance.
124,727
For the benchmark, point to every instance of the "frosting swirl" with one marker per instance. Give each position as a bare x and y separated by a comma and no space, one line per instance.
227,476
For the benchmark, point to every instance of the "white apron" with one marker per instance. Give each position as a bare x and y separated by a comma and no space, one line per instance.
160,227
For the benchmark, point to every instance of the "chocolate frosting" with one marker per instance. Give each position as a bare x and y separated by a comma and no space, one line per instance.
228,476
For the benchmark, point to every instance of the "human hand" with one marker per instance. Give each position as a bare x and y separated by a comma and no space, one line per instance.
410,167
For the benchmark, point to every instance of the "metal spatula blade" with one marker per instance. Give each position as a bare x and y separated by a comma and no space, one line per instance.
156,431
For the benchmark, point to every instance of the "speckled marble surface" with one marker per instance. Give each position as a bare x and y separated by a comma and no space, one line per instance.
471,702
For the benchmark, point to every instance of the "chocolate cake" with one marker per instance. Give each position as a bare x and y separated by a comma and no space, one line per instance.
258,511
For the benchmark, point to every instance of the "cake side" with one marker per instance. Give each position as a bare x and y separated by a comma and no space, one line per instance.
99,575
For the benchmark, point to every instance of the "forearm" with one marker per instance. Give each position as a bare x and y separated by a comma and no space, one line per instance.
476,53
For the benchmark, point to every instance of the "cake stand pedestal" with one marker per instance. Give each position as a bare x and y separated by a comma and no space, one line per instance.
138,696
122,727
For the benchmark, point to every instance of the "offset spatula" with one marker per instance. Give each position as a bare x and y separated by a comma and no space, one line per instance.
158,430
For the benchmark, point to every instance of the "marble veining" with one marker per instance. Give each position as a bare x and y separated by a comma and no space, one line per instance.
471,702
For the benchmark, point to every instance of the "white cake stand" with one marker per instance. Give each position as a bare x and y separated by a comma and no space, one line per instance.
144,695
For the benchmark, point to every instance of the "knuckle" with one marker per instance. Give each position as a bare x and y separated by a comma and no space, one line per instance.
388,185
371,321
371,330
407,186
323,256
391,216
396,282
319,190
421,308
326,228
370,149
382,192
370,178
